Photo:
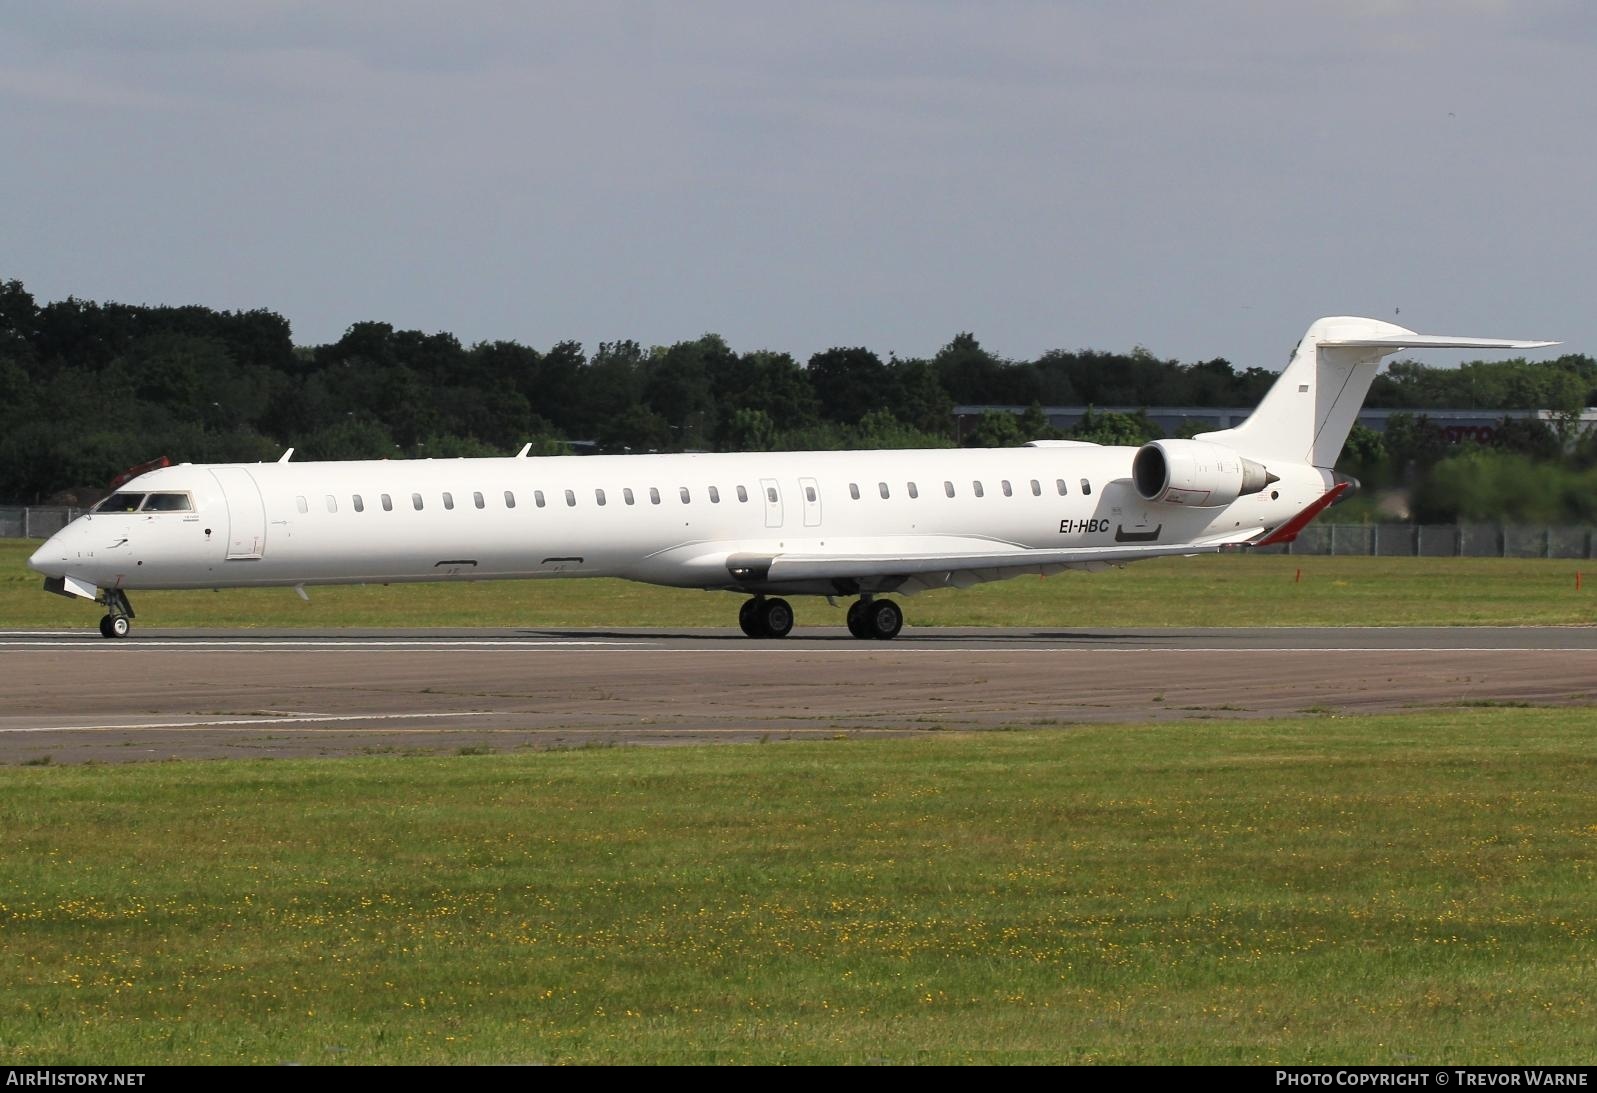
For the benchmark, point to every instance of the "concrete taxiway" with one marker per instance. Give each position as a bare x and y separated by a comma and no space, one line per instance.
74,696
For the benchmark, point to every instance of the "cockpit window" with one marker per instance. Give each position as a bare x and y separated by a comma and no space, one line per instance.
121,502
168,502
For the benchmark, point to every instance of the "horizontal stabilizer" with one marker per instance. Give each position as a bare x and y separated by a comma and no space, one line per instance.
1433,341
1308,412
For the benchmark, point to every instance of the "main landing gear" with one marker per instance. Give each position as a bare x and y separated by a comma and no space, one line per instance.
118,622
867,618
763,618
879,619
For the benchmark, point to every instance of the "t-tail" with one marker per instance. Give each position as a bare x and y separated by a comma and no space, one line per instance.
1306,416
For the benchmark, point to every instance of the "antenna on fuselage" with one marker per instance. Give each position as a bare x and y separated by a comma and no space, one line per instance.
525,448
286,456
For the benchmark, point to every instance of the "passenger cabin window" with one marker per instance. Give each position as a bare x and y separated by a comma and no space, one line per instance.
770,494
299,503
388,503
510,500
715,496
1086,487
627,496
538,498
948,488
743,494
809,494
682,491
881,488
598,495
121,502
332,503
476,499
571,499
976,488
1036,488
449,500
913,491
654,496
1060,482
415,501
1008,492
360,505
853,490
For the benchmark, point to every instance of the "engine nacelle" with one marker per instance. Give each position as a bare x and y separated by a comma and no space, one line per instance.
1195,473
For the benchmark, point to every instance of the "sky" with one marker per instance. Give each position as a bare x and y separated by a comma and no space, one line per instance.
1202,180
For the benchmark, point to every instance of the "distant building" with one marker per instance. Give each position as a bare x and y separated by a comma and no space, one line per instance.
1459,425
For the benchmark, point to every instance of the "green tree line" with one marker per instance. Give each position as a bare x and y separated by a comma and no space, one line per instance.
88,389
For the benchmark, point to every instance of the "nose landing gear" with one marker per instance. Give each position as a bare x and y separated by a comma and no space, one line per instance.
118,622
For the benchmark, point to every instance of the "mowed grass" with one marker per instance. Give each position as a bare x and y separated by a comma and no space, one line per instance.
1232,590
1413,889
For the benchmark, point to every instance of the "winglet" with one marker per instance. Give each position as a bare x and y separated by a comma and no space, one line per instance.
1289,530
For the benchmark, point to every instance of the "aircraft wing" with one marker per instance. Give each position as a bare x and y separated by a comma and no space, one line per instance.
956,567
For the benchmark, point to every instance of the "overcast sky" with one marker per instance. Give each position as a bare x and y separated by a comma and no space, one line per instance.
1203,179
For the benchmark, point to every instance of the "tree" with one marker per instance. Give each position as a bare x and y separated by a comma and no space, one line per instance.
1033,424
19,317
1414,443
850,383
1529,437
996,429
879,429
774,384
353,438
919,397
556,390
1109,427
679,390
1486,485
1363,454
972,375
635,429
615,380
748,430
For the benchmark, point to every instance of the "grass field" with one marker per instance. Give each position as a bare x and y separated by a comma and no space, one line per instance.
1263,590
1386,890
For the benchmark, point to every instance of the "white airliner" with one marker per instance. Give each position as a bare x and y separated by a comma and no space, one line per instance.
770,524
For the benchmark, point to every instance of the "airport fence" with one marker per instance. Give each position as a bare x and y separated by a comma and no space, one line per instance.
35,521
1374,540
1443,541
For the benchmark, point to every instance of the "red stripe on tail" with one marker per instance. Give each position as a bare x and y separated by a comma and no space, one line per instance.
1289,530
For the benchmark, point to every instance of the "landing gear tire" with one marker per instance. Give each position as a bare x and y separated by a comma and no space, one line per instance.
118,620
776,618
881,619
856,618
749,619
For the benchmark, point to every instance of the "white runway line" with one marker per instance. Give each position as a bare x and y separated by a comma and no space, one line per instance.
841,649
318,643
246,721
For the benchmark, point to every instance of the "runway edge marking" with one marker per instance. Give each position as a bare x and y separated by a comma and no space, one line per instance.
246,721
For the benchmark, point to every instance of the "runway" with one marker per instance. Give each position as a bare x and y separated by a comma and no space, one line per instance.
72,696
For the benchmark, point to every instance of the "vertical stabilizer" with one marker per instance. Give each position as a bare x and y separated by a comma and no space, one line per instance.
1306,416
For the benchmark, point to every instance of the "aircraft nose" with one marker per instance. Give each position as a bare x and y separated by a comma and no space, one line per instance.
50,559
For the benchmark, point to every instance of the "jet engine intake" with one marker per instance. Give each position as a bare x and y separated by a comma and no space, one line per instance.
1195,473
